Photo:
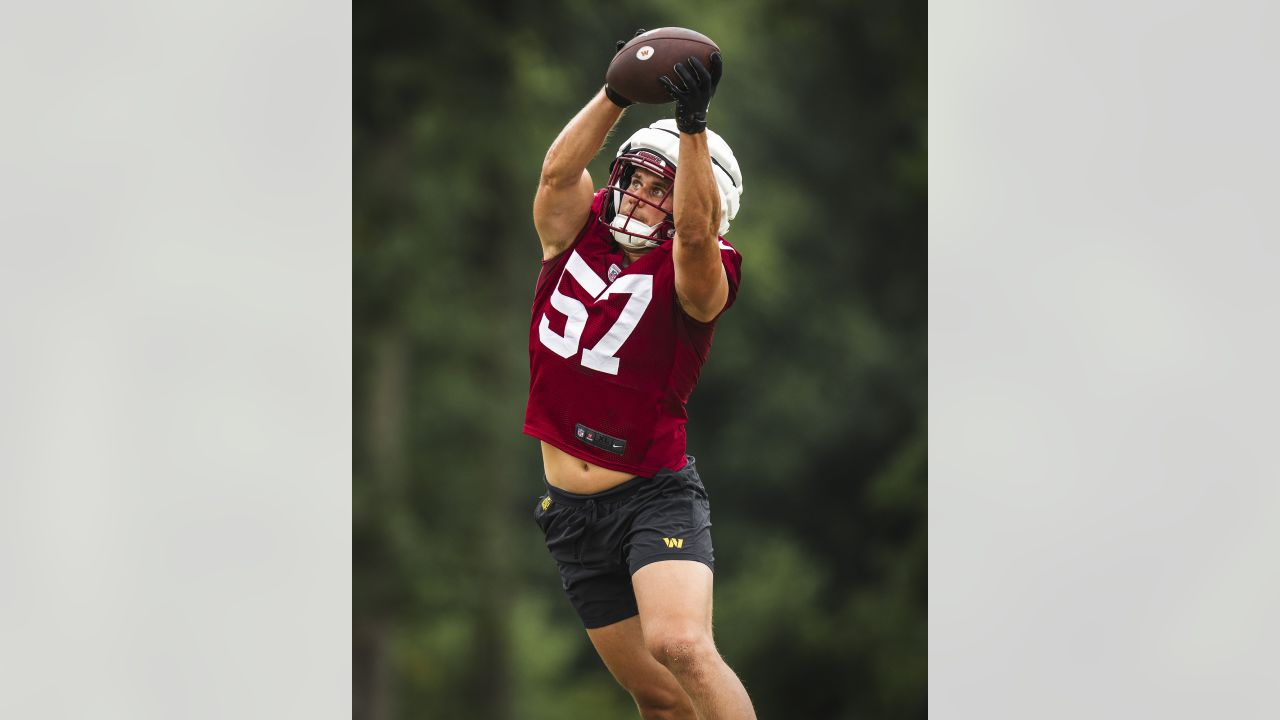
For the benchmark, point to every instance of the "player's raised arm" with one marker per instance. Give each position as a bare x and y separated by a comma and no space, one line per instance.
701,284
563,200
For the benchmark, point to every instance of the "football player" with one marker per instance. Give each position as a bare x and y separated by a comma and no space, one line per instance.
634,278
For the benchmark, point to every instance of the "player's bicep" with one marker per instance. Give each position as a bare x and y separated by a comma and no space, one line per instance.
701,283
559,211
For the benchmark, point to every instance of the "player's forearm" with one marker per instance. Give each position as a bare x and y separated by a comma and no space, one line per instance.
580,140
696,204
700,278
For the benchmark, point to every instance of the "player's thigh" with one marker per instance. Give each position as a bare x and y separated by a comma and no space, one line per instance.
674,598
621,646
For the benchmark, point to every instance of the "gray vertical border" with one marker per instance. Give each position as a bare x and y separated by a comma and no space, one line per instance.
1104,495
175,360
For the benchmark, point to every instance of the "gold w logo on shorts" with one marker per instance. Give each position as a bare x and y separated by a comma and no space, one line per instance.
674,542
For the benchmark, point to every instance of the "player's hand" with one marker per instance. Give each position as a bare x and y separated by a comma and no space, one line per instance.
620,43
693,95
614,95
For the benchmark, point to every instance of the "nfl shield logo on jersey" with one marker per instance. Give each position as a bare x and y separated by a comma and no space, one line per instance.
614,272
581,432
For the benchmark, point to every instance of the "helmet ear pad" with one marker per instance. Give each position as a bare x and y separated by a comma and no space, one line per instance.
615,197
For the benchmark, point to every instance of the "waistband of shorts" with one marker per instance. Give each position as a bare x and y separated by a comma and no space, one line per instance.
617,492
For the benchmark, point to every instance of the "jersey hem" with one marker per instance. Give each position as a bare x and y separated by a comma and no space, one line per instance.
639,470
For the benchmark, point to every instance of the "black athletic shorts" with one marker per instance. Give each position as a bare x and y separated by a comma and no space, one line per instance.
599,540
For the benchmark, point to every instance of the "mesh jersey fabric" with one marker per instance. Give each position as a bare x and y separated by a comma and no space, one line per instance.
612,351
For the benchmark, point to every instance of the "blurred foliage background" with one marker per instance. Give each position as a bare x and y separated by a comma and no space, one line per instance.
809,421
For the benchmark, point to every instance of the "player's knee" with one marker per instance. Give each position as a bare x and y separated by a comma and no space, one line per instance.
662,703
682,650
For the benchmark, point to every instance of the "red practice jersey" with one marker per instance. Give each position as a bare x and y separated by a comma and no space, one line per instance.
612,355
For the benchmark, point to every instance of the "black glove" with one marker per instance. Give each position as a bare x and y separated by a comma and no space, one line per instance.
693,97
639,32
612,94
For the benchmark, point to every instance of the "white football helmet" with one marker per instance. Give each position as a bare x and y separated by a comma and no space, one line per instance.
657,149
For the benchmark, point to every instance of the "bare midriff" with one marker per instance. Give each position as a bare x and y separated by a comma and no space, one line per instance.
576,475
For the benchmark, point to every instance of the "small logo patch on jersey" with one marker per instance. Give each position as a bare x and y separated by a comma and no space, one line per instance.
614,272
546,502
677,543
595,438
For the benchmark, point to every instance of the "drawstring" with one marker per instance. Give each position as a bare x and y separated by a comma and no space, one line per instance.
586,512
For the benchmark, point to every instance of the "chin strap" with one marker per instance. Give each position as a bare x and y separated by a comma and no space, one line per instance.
632,242
642,240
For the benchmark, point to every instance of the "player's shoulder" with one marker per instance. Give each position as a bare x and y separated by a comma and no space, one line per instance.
731,259
598,200
587,235
729,254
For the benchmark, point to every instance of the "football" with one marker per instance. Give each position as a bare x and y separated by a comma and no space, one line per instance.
636,68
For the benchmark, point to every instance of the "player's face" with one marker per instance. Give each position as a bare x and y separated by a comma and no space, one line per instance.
652,187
